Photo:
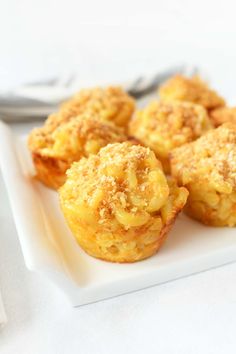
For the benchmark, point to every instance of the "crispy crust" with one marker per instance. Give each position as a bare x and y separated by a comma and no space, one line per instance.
209,207
148,252
50,171
118,203
163,126
192,90
152,251
53,150
207,168
85,123
86,243
109,104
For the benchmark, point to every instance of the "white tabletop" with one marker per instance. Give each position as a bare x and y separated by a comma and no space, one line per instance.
196,314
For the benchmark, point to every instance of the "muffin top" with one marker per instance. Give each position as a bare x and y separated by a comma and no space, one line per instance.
223,115
109,104
75,138
165,125
211,158
190,89
124,182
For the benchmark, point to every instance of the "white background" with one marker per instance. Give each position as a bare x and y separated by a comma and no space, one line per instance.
115,40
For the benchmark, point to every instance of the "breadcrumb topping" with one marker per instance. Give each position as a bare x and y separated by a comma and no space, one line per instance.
119,204
211,158
76,138
121,172
107,104
165,125
190,89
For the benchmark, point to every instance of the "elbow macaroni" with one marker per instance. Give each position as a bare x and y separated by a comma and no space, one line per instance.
115,203
207,167
163,126
109,104
64,138
190,90
54,150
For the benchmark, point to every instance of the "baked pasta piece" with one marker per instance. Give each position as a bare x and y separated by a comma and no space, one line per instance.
207,167
192,90
54,148
223,115
108,104
162,126
118,203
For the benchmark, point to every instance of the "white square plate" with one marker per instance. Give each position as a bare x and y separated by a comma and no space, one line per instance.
49,247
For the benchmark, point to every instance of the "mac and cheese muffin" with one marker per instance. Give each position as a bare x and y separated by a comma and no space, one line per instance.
223,115
54,148
107,104
163,126
192,90
118,203
207,167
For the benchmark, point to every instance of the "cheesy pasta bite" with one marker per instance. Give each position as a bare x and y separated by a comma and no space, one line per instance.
207,167
119,204
108,104
192,90
54,148
163,126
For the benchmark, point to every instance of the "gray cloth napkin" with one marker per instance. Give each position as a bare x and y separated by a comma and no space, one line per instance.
39,99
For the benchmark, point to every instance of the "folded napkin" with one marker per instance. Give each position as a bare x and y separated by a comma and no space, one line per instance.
39,99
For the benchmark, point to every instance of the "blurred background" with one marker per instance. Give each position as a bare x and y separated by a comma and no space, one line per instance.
116,40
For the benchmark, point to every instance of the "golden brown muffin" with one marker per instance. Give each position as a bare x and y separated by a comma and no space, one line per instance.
55,148
107,104
207,167
163,126
223,115
192,90
118,203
